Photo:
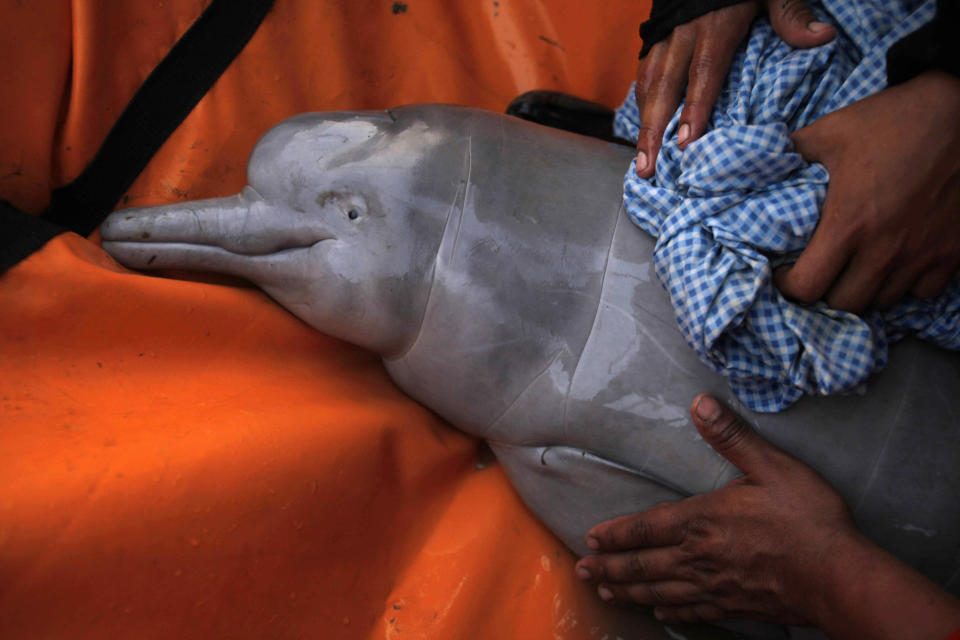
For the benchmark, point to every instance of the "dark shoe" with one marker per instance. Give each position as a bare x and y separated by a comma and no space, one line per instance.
563,111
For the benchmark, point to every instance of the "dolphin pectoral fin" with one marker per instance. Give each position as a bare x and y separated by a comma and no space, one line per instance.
571,490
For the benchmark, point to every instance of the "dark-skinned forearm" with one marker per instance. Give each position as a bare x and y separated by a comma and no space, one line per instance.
864,593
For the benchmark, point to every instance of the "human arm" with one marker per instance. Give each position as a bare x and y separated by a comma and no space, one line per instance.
777,544
695,57
890,223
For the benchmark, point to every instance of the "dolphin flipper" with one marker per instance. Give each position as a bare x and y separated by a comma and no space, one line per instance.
592,488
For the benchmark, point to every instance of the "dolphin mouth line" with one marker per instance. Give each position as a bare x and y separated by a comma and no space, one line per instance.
282,249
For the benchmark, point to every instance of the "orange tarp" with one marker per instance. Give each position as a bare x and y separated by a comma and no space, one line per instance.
183,459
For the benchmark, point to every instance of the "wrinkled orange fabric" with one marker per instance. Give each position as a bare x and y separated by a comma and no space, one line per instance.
183,459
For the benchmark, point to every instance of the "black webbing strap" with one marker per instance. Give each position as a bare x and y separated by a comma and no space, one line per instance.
164,100
161,103
22,234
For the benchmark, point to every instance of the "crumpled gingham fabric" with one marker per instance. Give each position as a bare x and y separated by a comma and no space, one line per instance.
740,202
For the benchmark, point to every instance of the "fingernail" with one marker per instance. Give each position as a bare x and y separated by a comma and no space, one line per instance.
604,593
708,409
642,161
684,133
817,27
658,614
593,543
583,574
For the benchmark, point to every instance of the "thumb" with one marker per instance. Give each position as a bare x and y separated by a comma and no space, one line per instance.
730,436
795,23
814,141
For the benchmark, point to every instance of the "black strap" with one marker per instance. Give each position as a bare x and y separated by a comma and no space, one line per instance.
22,234
933,46
164,100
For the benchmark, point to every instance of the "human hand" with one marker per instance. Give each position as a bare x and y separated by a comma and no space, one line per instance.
891,220
756,548
697,56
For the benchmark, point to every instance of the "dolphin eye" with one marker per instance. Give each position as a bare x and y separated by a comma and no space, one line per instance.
353,214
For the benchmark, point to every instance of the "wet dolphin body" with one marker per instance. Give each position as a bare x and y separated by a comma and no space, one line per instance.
487,259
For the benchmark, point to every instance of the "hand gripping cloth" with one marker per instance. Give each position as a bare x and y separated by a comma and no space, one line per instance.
740,202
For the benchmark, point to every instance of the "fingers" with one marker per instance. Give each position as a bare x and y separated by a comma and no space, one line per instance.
674,601
708,70
896,286
696,57
795,23
852,277
809,141
655,527
646,71
819,265
856,278
933,282
860,282
730,436
636,565
664,81
863,285
652,593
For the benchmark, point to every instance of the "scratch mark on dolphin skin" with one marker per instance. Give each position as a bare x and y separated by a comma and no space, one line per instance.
523,391
946,402
651,315
623,355
876,463
466,191
490,345
632,276
196,216
573,292
456,209
593,325
912,528
653,340
673,634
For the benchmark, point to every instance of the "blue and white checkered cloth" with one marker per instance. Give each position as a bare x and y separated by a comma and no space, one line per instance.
740,201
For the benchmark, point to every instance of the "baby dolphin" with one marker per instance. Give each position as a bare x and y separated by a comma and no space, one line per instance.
487,259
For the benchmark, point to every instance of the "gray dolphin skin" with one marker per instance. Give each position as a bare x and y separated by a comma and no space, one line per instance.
487,259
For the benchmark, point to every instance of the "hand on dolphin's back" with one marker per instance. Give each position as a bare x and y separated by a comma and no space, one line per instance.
776,544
